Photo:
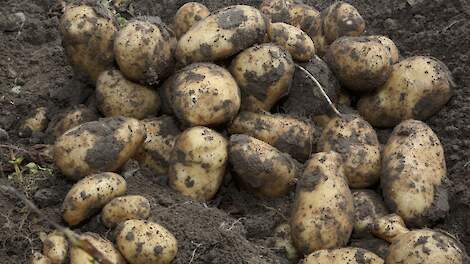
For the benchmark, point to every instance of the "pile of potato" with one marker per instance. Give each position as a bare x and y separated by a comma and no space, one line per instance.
200,97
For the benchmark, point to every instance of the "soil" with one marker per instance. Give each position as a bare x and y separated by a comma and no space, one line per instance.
235,227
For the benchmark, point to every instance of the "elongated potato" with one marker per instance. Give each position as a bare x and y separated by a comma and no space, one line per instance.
342,19
97,146
222,34
347,255
368,206
125,208
70,119
390,45
293,39
188,15
323,211
38,258
104,247
263,73
55,247
414,169
283,242
36,122
418,87
88,195
262,168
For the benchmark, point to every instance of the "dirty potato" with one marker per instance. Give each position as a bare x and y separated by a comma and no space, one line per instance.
36,122
342,19
55,246
304,17
188,15
104,247
71,118
368,205
389,44
375,245
283,242
276,10
347,255
125,208
38,258
165,90
294,40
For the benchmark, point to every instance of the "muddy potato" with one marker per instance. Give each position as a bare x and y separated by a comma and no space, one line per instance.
222,34
368,206
390,45
418,87
264,74
70,119
90,194
97,146
38,258
164,91
143,242
125,208
188,15
55,246
357,143
323,211
205,94
342,19
320,44
276,10
347,255
294,40
375,245
304,17
87,37
104,247
414,169
36,122
260,167
283,242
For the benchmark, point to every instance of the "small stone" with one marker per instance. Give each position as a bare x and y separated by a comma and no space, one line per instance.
3,135
46,197
16,89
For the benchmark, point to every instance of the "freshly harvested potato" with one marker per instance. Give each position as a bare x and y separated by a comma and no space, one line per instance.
283,242
293,39
320,44
97,146
143,242
88,195
389,44
342,19
87,37
105,248
188,15
361,64
263,73
287,134
55,246
368,206
197,163
276,10
347,255
375,245
117,96
418,87
144,50
304,17
222,34
389,227
357,143
125,208
205,94
156,150
323,213
165,91
38,258
262,168
36,122
72,118
414,169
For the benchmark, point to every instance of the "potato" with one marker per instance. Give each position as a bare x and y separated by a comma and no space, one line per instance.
414,169
361,64
418,87
320,44
262,168
222,34
155,151
390,45
144,50
287,134
55,246
304,17
197,163
283,242
88,195
347,255
38,258
389,227
73,117
205,94
165,90
97,146
357,143
276,10
375,245
323,212
294,40
188,15
143,242
125,208
87,37
34,123
368,206
263,73
104,247
342,19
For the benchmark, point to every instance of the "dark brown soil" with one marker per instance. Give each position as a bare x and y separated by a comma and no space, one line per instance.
236,226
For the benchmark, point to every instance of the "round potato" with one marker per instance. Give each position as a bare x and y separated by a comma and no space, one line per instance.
347,255
293,39
414,169
375,245
55,246
262,168
283,242
263,73
197,163
116,96
304,17
143,242
71,118
188,15
418,87
125,208
368,206
342,19
390,45
97,146
357,143
323,211
205,94
36,122
276,10
105,248
38,258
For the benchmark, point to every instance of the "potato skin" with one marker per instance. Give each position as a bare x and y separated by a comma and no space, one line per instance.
36,122
414,169
105,247
260,167
38,258
418,87
389,44
165,90
70,119
283,242
125,208
276,10
304,17
293,39
342,19
323,212
197,163
368,205
357,143
347,255
222,34
143,242
55,247
88,195
188,15
97,146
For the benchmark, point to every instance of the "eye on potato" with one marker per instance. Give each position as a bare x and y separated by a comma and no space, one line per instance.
142,242
55,247
389,44
368,206
36,122
293,39
375,245
323,211
70,119
342,19
97,146
125,208
283,242
347,255
418,87
188,15
104,247
263,73
38,258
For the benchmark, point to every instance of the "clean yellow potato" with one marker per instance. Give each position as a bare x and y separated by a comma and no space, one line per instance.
283,242
117,96
98,146
125,208
55,246
263,73
72,118
90,194
105,248
418,87
38,258
36,122
347,255
389,44
323,211
304,17
368,205
188,15
294,40
197,163
342,19
143,242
